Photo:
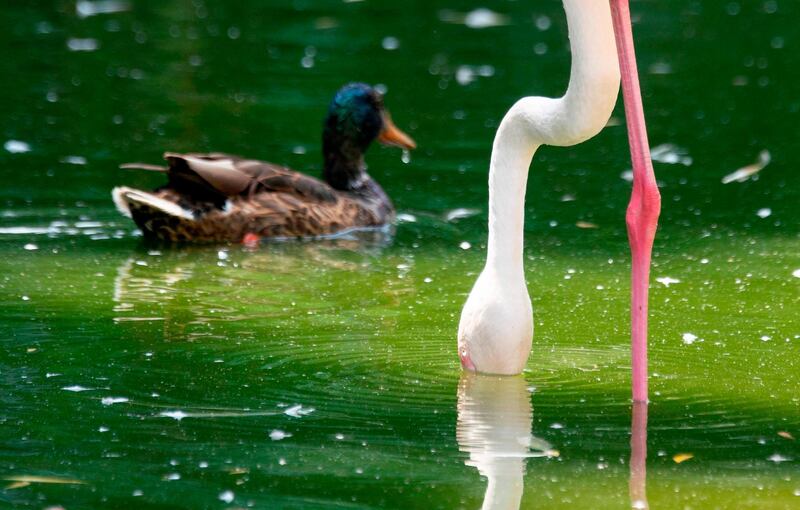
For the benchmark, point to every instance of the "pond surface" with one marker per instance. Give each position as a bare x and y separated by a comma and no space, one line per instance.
324,374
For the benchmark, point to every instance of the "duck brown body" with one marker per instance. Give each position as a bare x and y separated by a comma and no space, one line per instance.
219,197
224,198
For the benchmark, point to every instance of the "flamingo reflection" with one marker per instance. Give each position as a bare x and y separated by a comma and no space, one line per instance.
638,482
494,428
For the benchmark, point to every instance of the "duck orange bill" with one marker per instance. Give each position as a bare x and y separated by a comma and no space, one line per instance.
391,135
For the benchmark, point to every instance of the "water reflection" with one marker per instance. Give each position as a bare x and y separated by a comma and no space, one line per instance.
494,428
638,481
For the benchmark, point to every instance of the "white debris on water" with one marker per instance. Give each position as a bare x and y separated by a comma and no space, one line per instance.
76,388
226,496
17,146
78,44
85,8
465,245
31,247
277,435
796,273
764,212
666,281
689,338
627,175
107,401
746,172
556,426
298,411
406,218
670,154
460,213
88,224
477,18
466,74
74,160
175,415
778,458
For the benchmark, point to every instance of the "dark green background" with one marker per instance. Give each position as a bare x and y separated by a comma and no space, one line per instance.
351,327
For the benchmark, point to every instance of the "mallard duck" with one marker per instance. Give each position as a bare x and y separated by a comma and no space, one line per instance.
219,197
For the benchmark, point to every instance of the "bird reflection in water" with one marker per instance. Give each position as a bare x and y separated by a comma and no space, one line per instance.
494,428
638,482
187,289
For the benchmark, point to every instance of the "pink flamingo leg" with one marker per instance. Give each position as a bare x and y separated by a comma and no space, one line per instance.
645,204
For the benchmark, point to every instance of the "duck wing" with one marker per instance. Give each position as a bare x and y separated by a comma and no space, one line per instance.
221,176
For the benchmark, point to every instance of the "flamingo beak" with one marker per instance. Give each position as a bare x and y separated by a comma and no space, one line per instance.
391,134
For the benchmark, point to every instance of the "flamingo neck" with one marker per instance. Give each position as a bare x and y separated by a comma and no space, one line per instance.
577,116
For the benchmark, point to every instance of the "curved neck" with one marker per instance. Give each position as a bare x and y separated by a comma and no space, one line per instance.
577,116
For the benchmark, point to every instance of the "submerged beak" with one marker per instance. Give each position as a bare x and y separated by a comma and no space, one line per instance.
391,134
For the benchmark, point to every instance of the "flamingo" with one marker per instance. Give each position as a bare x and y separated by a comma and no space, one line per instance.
496,326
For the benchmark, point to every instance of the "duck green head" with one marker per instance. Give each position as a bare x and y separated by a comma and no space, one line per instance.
356,117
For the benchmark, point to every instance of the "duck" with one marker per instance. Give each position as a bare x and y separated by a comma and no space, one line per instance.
218,197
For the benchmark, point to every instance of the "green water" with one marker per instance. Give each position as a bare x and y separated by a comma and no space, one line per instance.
193,361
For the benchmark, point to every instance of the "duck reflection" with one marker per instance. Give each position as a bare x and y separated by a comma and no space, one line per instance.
494,428
638,482
189,289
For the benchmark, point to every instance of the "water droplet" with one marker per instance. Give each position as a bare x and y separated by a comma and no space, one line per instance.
666,281
405,157
543,22
778,458
107,401
17,146
277,435
390,43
